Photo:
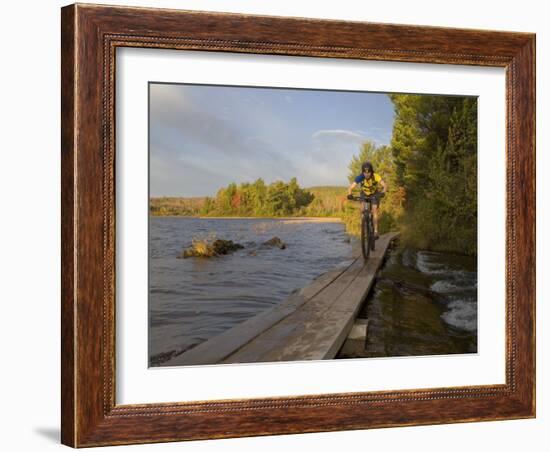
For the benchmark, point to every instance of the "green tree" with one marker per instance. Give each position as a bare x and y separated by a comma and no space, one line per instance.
434,146
278,200
259,199
430,168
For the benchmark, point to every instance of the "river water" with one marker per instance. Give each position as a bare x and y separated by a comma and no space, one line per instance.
422,303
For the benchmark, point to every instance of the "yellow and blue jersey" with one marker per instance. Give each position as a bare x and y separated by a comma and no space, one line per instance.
371,185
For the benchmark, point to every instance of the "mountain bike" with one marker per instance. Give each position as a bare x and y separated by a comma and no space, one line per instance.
367,225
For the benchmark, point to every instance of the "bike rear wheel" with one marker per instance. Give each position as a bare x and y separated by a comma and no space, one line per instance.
372,240
365,237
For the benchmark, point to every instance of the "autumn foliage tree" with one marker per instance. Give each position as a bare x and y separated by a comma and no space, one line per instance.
258,199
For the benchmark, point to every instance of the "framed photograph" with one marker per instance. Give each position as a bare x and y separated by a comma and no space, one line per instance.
282,225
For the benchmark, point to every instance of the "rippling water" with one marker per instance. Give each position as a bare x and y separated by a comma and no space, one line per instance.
194,299
423,303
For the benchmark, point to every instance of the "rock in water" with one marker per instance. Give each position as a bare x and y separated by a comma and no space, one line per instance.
203,248
275,241
225,246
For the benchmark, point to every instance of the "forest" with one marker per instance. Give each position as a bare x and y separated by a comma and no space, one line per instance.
430,168
258,199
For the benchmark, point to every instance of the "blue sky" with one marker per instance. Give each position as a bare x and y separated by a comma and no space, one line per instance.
204,137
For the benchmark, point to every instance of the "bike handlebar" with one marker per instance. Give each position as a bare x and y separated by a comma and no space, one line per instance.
365,198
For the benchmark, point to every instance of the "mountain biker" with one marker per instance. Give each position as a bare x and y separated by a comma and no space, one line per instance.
373,186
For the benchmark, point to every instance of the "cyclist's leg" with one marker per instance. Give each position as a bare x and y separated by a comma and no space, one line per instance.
375,205
363,202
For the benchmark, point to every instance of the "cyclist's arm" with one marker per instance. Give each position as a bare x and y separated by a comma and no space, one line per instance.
384,186
351,187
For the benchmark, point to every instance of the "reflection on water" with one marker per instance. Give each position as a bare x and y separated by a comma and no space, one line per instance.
192,300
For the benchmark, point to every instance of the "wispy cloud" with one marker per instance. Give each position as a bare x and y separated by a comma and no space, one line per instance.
179,125
339,134
203,137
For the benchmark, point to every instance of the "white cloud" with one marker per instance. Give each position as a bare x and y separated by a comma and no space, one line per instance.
347,135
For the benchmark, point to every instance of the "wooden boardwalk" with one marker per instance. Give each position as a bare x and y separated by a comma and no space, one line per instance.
311,324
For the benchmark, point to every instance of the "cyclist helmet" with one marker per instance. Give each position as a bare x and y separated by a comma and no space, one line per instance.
367,166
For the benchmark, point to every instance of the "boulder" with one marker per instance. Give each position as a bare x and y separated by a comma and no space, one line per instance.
275,242
225,246
203,248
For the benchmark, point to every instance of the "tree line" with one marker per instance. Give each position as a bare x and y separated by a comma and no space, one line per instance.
430,167
257,199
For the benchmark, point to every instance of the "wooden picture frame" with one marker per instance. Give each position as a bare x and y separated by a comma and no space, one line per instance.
90,36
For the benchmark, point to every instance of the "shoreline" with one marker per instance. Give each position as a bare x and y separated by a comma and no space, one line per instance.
301,219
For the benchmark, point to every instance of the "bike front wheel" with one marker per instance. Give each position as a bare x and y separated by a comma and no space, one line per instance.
366,237
372,240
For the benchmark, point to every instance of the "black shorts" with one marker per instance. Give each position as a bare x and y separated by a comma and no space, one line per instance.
374,198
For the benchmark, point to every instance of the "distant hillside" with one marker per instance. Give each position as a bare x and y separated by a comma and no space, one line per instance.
176,206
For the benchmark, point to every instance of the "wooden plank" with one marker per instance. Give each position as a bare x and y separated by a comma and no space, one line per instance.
358,330
319,327
354,345
219,347
347,307
290,330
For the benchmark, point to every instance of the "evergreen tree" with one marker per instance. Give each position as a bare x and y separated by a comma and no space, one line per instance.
434,146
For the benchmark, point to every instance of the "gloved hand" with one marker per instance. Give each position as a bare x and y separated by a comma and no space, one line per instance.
350,197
